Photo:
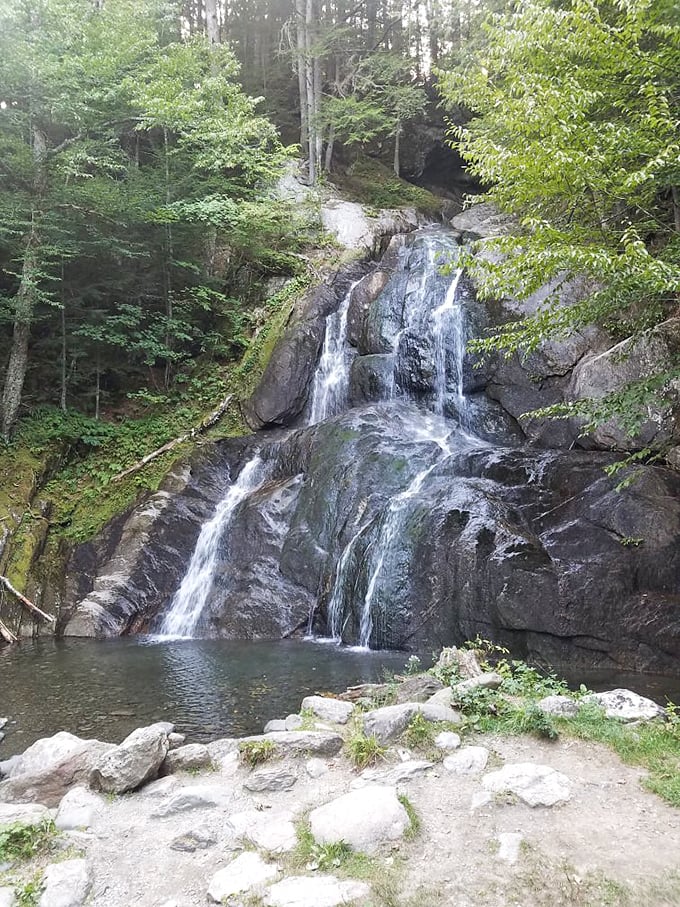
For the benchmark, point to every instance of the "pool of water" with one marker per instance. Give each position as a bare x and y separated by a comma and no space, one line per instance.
208,688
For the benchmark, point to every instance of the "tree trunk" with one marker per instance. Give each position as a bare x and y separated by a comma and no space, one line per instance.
302,75
27,296
312,125
675,195
212,23
328,164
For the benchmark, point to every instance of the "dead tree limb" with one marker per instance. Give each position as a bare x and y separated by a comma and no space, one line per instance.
207,423
34,609
7,634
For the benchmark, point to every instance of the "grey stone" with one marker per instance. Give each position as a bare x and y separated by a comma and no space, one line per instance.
484,220
78,809
447,740
293,722
270,830
488,681
509,843
135,761
442,697
393,775
365,819
247,873
7,897
625,705
560,706
3,723
23,813
316,767
276,777
176,740
187,798
160,788
469,760
315,891
302,743
348,223
49,785
66,884
535,785
196,839
45,753
334,710
389,722
186,758
276,724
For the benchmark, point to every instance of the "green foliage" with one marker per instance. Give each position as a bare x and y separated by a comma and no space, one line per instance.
419,733
329,857
22,842
364,751
371,183
256,752
414,819
575,133
28,894
655,745
413,665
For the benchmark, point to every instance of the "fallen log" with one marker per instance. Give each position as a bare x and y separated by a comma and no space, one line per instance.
207,423
34,609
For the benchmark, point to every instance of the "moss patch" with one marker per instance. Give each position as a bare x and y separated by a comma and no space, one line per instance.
371,183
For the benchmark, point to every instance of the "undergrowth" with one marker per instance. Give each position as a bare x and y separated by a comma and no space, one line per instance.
364,751
23,842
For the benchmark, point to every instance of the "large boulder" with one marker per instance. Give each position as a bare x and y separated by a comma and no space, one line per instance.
316,891
49,785
247,873
365,819
535,785
136,760
66,884
625,705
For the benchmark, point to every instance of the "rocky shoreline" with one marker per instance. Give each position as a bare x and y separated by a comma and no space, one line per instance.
352,801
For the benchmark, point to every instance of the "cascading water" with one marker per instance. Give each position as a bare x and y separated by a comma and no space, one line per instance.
188,602
448,321
331,379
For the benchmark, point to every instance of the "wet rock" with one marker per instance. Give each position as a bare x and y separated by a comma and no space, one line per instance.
66,884
50,785
270,830
328,709
136,760
447,740
78,809
365,819
469,760
535,785
186,758
560,706
316,891
247,873
625,705
393,775
302,743
277,777
196,839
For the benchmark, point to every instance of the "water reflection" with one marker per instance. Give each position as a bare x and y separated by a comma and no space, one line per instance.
208,688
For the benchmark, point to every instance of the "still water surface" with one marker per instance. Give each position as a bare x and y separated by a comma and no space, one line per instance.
208,687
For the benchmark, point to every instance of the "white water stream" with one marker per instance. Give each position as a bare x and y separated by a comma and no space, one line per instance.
331,379
190,599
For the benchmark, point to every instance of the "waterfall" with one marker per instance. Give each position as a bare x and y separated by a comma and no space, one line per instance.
331,379
188,602
448,319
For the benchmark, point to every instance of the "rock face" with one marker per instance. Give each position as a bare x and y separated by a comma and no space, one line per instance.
420,516
136,760
365,819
